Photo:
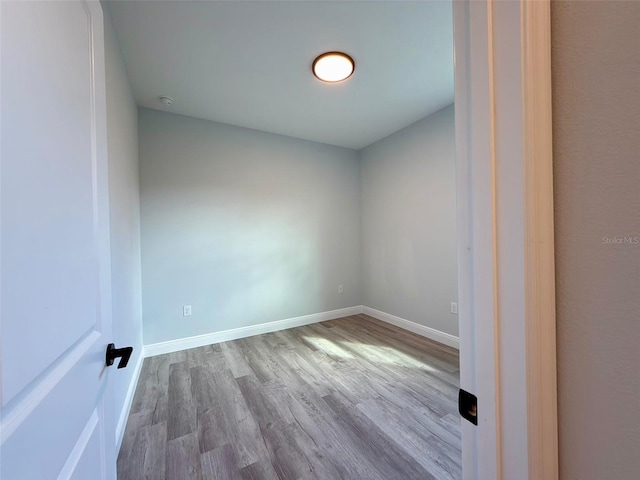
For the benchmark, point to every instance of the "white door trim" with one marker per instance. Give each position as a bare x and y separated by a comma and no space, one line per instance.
505,237
542,396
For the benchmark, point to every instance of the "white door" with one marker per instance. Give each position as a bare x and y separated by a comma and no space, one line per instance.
55,279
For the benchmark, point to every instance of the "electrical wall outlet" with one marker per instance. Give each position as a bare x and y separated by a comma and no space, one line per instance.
186,311
454,307
340,289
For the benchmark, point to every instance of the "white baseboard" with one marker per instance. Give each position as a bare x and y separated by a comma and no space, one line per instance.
428,332
126,408
243,332
170,346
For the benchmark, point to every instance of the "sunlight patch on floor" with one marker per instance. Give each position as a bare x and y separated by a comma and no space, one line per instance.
373,353
329,347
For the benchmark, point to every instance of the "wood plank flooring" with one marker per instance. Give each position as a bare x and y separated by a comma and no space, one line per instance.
353,398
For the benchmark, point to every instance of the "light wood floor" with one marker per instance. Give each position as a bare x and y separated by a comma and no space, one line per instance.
352,398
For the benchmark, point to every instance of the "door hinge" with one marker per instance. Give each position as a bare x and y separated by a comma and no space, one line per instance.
468,406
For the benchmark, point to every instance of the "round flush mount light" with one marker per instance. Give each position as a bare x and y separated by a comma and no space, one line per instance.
333,67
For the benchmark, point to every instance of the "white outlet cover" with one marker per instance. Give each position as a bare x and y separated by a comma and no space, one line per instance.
454,307
340,289
186,311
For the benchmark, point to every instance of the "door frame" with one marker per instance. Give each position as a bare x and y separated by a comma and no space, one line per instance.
505,236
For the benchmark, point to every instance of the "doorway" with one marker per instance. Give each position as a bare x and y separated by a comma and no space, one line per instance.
268,208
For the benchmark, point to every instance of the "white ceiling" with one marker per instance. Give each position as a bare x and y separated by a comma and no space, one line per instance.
249,63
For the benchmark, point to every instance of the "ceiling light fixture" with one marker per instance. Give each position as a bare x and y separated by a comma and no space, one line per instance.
333,67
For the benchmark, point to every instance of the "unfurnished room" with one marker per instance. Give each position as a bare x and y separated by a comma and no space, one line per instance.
319,240
289,228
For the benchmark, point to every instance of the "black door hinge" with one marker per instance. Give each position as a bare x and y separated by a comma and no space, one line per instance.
468,406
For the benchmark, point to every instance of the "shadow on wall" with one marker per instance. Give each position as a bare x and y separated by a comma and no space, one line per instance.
258,257
245,226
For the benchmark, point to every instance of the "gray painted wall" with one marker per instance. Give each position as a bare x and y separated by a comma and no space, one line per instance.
247,227
124,201
409,259
596,129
